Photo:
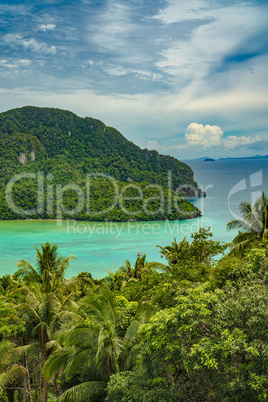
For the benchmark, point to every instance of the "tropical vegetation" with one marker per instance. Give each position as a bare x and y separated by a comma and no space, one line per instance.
192,328
62,164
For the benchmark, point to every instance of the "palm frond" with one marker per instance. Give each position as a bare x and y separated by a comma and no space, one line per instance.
57,361
245,208
11,375
26,270
241,243
239,249
79,334
243,236
21,350
5,348
254,224
238,224
83,392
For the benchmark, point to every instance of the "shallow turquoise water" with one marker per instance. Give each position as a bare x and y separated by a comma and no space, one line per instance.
102,247
98,247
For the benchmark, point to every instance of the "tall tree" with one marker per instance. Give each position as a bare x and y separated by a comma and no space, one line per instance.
43,313
140,267
97,346
50,267
191,261
9,370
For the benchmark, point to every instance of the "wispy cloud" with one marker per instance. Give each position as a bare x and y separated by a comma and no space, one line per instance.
111,26
233,141
29,43
14,9
153,144
148,68
47,27
222,32
14,63
186,11
116,71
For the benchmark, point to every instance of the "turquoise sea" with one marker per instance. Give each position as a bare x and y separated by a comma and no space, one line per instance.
102,247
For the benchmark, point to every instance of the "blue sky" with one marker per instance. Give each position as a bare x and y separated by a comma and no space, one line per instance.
186,77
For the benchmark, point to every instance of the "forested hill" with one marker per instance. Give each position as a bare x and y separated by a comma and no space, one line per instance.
59,142
57,133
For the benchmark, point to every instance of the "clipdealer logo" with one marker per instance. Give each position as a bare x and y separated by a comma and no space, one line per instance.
255,180
116,229
51,200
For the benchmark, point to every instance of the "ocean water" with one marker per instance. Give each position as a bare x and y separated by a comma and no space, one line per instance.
102,247
227,182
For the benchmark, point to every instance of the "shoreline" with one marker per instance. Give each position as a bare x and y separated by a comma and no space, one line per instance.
94,222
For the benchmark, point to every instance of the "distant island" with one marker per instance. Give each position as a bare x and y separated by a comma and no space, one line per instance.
56,164
205,159
248,157
208,159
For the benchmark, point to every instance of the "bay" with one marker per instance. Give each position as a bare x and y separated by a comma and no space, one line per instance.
102,247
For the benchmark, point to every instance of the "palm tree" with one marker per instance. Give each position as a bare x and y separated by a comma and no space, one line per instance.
39,308
116,280
175,252
127,273
43,313
141,267
7,283
50,267
13,361
252,227
96,346
9,371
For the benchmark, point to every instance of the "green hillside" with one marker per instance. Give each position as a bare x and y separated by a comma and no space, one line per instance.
56,147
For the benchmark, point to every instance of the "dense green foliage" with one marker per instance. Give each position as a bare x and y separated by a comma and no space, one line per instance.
193,329
66,149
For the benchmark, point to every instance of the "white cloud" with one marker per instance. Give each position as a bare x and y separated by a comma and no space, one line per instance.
198,135
116,71
47,27
138,118
13,63
16,9
185,11
193,60
233,141
24,62
112,27
153,144
29,43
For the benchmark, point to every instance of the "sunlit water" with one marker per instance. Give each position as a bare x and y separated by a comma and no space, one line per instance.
103,247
